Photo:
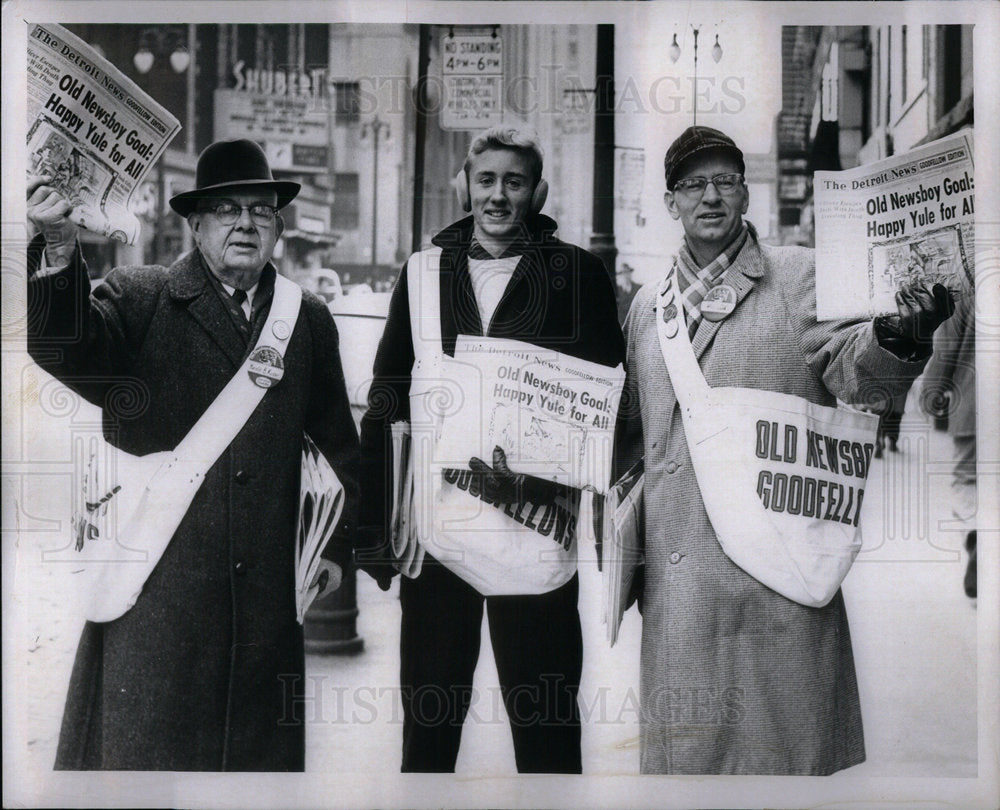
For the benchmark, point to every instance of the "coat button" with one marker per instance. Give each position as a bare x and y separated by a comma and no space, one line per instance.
241,476
671,467
240,567
675,558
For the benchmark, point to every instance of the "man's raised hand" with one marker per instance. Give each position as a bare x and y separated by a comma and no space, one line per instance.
48,214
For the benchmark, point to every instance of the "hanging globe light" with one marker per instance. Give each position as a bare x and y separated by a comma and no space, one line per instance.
717,50
675,50
180,59
143,59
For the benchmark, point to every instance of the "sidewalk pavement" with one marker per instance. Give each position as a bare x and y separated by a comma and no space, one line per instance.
354,715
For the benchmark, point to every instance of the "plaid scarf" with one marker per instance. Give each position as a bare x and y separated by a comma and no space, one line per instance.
695,282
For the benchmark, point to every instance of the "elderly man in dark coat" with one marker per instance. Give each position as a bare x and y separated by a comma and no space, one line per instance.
736,678
204,671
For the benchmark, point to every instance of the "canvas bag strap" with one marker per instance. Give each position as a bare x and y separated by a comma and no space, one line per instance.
686,376
424,296
227,415
166,496
423,278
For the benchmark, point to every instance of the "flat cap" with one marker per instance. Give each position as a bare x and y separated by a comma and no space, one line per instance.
692,141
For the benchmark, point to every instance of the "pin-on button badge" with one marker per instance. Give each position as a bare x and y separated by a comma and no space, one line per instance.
718,302
669,315
265,367
281,330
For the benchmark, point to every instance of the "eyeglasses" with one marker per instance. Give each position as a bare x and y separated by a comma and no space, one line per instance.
229,212
724,184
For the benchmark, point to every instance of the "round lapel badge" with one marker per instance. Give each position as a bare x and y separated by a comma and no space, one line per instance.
265,367
718,302
670,320
280,330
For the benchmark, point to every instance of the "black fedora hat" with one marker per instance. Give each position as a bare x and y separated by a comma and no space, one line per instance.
231,164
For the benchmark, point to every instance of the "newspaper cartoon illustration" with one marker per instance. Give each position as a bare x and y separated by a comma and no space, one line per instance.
936,257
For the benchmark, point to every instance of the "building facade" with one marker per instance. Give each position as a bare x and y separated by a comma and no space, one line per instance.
336,108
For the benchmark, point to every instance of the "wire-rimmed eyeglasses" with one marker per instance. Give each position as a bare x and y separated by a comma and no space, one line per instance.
724,183
228,212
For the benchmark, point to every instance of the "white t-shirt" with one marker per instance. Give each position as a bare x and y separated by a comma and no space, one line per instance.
489,280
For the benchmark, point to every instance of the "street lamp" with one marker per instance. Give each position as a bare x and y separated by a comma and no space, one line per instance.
175,45
161,41
375,128
675,53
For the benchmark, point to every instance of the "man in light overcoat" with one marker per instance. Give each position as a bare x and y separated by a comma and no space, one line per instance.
735,677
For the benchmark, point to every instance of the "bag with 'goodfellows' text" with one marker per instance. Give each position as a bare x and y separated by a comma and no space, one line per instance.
782,478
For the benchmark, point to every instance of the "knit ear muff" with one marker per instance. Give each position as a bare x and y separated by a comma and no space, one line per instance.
539,196
461,185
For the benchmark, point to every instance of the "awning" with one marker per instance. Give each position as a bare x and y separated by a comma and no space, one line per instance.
316,238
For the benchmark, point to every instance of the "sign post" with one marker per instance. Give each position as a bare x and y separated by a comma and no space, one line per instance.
472,75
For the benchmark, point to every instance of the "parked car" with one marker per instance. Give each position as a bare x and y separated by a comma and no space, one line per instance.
327,284
360,320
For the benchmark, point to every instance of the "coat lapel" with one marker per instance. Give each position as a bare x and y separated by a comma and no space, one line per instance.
459,313
515,280
741,276
189,287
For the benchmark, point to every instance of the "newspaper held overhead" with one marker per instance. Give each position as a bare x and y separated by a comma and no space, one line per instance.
907,218
553,414
91,129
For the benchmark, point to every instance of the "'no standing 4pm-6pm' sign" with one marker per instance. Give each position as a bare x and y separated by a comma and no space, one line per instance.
472,75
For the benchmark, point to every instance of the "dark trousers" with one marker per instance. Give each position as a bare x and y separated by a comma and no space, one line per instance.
538,648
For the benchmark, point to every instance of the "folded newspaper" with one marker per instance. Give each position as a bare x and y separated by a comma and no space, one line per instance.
553,414
407,553
92,130
904,219
621,546
321,500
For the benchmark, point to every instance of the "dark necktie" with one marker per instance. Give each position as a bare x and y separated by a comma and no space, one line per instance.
239,296
242,322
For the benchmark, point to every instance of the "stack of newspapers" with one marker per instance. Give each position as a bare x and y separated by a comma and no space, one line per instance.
622,546
321,500
407,554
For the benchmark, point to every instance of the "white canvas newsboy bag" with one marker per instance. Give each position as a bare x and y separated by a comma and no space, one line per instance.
782,478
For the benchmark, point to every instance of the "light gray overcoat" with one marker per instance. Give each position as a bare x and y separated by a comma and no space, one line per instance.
736,679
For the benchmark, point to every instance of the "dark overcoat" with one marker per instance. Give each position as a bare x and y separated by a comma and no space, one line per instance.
735,678
204,671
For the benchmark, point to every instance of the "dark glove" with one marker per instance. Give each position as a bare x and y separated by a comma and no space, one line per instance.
921,310
500,485
373,555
